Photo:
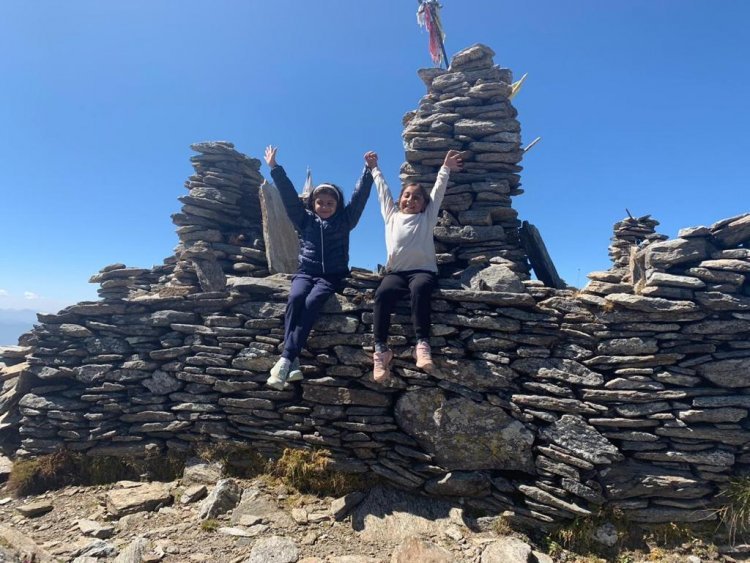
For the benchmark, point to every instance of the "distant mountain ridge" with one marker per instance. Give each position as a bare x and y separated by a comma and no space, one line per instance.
13,323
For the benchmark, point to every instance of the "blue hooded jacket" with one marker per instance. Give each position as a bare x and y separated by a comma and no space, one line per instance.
324,243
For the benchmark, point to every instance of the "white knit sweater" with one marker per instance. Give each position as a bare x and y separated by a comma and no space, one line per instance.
408,237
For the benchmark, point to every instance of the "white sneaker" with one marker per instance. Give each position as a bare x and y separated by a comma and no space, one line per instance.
279,374
295,373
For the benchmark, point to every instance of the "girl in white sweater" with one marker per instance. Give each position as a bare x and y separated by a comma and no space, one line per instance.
411,268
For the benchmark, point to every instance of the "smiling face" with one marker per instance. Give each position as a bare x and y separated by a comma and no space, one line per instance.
324,205
412,199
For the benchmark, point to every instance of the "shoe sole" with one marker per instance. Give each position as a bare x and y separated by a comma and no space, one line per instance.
278,385
428,366
386,377
382,379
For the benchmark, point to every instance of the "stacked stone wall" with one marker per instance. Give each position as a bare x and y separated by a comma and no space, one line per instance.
546,403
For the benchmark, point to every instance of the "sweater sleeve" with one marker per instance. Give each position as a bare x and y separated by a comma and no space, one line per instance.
294,208
362,190
387,207
438,192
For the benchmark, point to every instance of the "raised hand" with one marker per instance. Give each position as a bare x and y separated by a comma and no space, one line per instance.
270,155
454,161
371,159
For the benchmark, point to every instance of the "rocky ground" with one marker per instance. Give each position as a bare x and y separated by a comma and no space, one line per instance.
205,517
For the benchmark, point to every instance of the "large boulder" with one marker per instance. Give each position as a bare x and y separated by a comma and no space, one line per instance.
463,434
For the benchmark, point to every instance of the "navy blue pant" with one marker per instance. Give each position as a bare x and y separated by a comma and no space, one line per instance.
416,283
306,298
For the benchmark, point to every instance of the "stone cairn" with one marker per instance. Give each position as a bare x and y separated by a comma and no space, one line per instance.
467,108
632,232
219,227
629,235
220,223
545,404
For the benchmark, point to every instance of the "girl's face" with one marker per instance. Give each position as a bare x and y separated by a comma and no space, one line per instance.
412,200
324,205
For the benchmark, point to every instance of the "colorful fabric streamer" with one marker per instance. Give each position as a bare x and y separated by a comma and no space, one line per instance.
428,17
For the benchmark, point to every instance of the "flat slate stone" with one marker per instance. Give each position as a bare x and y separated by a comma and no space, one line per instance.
669,515
34,509
565,370
146,497
733,373
573,433
663,255
651,304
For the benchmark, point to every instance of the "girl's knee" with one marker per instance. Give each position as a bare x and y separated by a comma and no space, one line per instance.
422,288
297,299
383,294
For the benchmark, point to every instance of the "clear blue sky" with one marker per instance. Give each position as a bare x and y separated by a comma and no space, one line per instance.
641,104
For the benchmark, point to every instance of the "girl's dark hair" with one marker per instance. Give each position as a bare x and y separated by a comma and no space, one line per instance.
425,195
324,188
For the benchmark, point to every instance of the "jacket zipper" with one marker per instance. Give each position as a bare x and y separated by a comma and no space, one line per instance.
322,249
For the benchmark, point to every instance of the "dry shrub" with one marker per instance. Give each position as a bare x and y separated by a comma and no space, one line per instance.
578,535
53,471
734,511
63,468
307,471
237,459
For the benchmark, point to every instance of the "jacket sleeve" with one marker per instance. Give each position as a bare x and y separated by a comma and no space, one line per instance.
294,208
356,205
387,207
438,192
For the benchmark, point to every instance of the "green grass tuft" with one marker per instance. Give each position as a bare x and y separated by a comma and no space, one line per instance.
210,525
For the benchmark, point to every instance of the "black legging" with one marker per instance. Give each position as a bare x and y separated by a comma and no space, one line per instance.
419,284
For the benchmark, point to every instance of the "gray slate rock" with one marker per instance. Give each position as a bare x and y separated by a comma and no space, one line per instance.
35,508
393,515
507,550
132,498
223,498
565,370
663,255
343,505
652,304
275,549
134,552
573,433
496,277
732,373
463,434
640,480
414,549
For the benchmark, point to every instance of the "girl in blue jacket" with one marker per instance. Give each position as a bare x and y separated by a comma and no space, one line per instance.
323,227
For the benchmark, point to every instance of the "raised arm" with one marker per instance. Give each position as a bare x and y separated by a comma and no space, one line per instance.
294,208
452,163
387,207
356,206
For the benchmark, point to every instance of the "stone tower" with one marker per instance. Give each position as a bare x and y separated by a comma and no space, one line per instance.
467,108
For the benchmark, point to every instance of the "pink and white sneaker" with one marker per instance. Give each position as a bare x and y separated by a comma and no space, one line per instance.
423,355
381,362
